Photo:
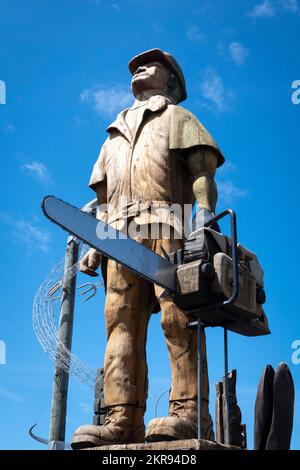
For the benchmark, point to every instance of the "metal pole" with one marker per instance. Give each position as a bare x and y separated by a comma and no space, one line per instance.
199,345
227,433
61,378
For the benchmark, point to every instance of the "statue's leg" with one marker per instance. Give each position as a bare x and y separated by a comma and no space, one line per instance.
182,348
129,299
127,312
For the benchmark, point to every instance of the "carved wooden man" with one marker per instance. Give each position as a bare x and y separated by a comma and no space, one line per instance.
156,153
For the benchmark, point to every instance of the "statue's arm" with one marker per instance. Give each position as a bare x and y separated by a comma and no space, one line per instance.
202,164
101,192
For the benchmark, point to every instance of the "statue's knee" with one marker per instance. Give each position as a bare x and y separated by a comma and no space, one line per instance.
121,344
174,322
115,315
166,324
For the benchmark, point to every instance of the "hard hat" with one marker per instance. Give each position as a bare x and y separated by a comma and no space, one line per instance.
157,55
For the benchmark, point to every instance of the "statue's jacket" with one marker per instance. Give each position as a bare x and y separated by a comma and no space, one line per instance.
150,167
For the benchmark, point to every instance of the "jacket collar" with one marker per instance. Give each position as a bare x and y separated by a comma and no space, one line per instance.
155,103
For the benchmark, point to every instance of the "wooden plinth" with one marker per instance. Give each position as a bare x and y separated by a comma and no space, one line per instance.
186,444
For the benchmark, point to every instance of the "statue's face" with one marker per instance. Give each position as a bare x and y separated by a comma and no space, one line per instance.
152,76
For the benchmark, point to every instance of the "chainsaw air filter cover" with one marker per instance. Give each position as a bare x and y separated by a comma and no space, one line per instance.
223,283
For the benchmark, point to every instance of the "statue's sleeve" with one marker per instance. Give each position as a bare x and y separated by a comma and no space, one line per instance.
186,132
98,174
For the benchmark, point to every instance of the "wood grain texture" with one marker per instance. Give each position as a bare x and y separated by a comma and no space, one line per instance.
186,444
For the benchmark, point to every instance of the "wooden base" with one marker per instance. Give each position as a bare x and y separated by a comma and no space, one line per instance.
186,444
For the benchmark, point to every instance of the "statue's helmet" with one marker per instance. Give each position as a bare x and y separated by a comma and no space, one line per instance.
157,55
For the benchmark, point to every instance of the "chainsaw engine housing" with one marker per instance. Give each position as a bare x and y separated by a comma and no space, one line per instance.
205,278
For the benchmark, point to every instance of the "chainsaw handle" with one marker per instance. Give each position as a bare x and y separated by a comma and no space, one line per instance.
233,229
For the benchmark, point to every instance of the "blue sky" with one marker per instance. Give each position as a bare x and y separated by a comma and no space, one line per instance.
65,68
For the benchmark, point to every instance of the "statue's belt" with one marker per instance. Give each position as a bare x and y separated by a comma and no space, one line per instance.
135,209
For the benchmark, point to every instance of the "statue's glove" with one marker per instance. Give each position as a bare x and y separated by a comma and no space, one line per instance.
90,262
202,216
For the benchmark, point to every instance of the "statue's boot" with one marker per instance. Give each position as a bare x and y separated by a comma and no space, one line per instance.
181,424
124,424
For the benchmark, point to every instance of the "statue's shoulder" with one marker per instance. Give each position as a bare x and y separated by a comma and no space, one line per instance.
180,113
187,131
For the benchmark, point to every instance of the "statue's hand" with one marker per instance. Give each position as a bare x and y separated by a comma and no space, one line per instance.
90,262
202,216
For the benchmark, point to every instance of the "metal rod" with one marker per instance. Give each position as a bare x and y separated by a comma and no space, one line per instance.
61,378
227,409
199,345
234,254
156,402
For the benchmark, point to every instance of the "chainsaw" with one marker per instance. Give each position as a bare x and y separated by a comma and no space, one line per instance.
212,277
